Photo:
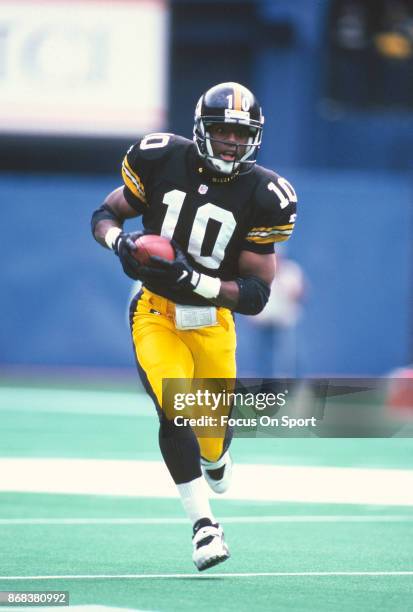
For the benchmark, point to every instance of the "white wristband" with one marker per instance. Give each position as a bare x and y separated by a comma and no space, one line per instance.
206,286
111,236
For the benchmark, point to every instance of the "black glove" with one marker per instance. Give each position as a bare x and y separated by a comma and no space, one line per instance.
177,274
123,247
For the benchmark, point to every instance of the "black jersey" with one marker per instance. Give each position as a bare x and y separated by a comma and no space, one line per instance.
211,218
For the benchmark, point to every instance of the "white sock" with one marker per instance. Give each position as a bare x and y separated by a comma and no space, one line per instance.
194,497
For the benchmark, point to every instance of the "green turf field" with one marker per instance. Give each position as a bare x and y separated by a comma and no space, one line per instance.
135,552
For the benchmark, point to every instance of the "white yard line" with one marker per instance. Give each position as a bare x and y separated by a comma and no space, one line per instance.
387,487
228,520
87,607
206,576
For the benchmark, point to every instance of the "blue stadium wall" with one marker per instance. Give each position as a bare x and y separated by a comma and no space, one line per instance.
279,49
64,298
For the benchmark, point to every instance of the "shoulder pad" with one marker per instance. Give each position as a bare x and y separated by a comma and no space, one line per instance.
145,157
274,191
158,145
274,210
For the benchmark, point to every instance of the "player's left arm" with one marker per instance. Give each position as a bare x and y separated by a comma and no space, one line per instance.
249,293
272,221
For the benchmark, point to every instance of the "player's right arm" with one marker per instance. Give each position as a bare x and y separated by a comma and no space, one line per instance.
107,221
127,202
107,228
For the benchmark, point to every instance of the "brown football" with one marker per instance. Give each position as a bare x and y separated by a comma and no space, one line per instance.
150,245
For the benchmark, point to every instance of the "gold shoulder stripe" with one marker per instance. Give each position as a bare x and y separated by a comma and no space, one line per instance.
267,229
268,239
133,181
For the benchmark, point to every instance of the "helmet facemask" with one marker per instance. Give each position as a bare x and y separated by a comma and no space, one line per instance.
242,152
212,108
245,153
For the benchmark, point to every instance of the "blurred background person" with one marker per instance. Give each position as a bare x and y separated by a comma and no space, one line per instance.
276,349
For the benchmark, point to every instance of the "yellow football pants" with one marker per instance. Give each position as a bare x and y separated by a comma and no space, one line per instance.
163,351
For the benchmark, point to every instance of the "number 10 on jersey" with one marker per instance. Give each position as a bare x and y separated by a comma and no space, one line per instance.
174,200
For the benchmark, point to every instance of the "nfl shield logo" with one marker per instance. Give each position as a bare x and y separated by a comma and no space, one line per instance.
203,189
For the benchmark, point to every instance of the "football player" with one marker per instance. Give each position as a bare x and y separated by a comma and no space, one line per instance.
223,214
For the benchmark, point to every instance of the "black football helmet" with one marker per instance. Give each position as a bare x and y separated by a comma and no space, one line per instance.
228,103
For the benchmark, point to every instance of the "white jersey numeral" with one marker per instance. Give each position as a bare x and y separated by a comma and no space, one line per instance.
227,227
284,191
174,200
154,141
